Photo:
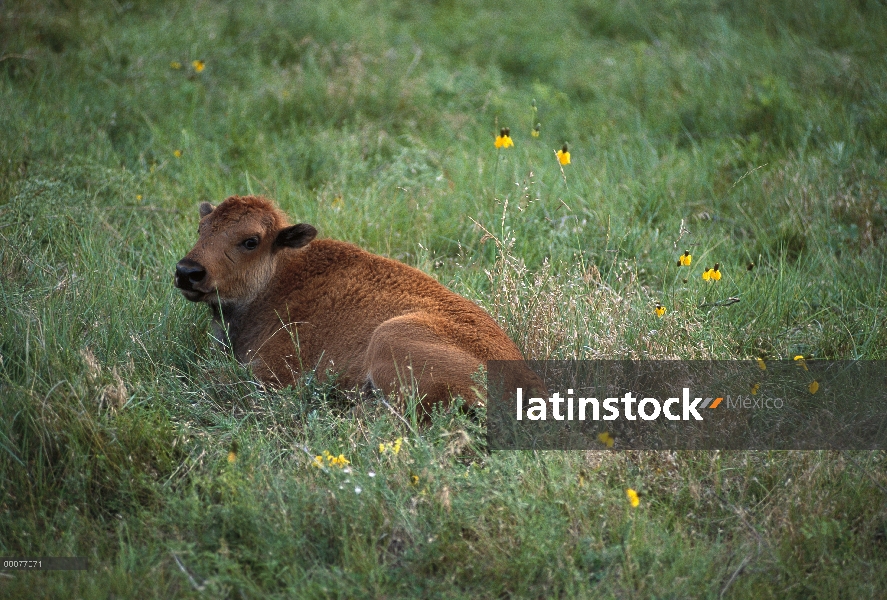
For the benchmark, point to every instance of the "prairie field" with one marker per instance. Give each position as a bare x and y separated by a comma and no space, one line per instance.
750,134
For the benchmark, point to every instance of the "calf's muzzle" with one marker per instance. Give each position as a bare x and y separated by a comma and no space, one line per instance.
188,274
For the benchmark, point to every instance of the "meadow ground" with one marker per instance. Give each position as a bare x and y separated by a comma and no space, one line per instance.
752,134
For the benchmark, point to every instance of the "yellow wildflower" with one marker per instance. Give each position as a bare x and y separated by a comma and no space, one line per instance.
232,456
414,479
685,259
660,310
393,447
536,130
713,274
175,65
606,439
139,197
328,460
813,387
633,498
802,362
563,155
762,364
198,65
177,153
503,140
755,388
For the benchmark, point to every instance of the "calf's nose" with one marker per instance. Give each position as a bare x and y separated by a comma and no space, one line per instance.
189,273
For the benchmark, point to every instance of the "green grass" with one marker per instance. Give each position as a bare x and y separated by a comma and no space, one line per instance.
745,132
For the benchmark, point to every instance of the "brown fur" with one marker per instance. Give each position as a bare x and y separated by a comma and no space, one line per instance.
294,303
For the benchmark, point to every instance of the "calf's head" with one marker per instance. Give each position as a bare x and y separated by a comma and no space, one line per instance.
239,243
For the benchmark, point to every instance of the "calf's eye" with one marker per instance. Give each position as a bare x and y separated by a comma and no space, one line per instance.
251,243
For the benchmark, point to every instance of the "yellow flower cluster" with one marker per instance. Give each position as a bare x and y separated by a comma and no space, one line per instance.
393,447
232,453
503,140
813,387
328,460
659,310
606,439
633,498
802,362
197,65
713,274
685,259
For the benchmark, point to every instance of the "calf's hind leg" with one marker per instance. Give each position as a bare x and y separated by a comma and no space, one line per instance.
409,350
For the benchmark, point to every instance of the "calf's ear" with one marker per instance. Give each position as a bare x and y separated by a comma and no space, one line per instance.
295,236
205,208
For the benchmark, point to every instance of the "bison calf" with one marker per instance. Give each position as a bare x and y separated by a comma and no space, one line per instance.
287,302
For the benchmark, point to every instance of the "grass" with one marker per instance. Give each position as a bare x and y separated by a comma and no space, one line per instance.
748,132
